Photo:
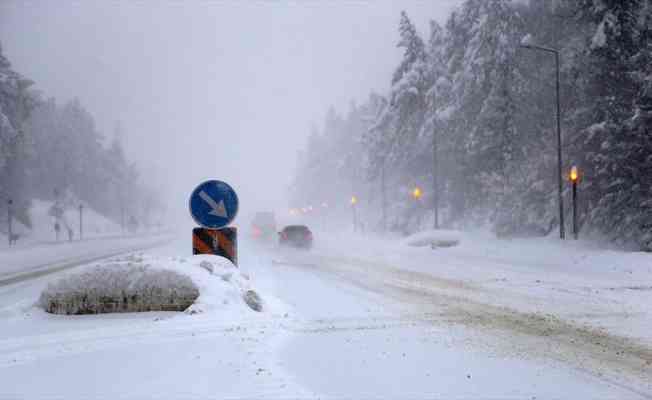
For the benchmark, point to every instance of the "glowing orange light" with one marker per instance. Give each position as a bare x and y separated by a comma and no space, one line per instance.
417,193
354,200
574,174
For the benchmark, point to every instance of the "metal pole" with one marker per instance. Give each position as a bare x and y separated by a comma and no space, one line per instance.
562,233
81,231
575,230
9,216
435,179
383,196
420,207
355,219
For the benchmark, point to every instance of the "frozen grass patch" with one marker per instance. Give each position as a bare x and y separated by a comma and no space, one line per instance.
119,287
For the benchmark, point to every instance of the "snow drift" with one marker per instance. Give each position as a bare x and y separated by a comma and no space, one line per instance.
434,239
232,288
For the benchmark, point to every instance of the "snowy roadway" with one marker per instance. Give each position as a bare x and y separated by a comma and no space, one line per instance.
360,318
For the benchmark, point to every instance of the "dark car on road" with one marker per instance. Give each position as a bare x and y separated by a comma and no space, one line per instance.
298,236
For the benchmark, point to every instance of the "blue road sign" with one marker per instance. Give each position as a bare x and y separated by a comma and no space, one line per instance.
213,204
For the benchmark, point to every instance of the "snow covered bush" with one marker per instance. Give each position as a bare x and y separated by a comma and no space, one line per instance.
119,287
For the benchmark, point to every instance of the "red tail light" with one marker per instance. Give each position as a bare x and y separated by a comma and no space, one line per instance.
256,232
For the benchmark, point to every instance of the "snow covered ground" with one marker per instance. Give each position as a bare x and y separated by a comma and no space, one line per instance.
42,231
357,317
20,260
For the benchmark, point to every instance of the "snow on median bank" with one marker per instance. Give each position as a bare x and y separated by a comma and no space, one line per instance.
434,238
144,283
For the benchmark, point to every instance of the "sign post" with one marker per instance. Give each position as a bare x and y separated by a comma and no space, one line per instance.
81,232
57,228
416,194
9,216
574,178
213,206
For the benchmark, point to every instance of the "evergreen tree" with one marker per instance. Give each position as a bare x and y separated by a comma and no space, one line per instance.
16,103
488,108
616,145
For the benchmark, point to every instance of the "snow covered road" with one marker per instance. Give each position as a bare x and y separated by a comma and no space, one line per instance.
442,310
359,319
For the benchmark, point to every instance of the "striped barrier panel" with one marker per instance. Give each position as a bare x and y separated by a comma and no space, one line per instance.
221,242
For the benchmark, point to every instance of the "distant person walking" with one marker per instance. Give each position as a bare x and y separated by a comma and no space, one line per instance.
70,234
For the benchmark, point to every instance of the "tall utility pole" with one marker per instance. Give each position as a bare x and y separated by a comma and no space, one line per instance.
526,44
383,196
435,178
562,229
9,217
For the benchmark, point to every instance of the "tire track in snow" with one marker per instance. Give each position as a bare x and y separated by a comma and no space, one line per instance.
617,360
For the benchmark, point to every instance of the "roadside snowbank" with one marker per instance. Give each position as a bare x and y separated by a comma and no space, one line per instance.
434,238
213,282
222,286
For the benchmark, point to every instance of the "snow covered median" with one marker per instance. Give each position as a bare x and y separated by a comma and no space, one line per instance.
434,238
144,283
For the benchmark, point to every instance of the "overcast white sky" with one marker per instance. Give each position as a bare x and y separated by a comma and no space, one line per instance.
209,89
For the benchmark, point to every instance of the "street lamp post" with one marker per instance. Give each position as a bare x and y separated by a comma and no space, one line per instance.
416,194
527,45
574,178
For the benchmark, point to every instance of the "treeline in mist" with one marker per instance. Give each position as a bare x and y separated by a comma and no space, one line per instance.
53,151
472,98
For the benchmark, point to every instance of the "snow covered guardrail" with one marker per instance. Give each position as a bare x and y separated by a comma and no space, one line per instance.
434,238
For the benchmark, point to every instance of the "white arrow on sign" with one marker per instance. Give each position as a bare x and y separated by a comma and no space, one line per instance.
218,209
